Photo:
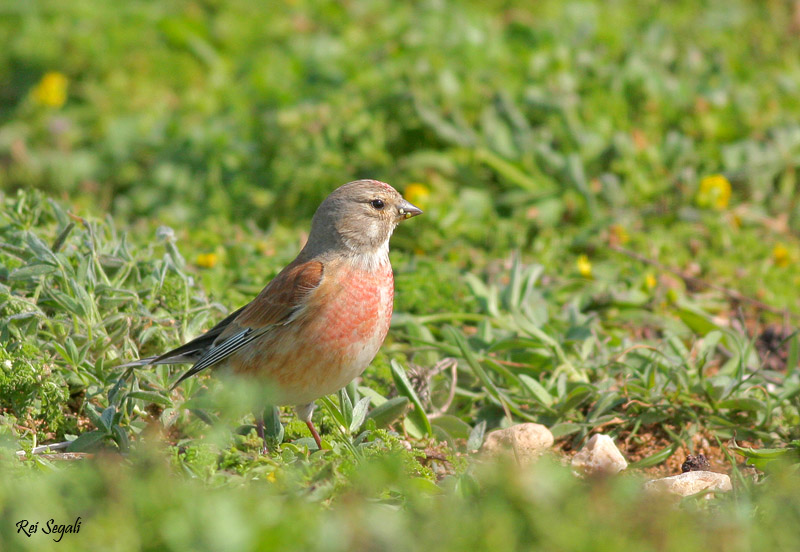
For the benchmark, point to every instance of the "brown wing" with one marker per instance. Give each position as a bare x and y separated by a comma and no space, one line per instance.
276,304
281,298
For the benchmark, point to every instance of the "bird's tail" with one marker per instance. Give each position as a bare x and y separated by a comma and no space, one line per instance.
158,359
141,362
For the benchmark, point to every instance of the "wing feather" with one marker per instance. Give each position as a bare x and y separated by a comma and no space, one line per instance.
282,297
219,353
277,304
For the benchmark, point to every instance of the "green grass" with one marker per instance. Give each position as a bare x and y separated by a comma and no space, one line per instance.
574,259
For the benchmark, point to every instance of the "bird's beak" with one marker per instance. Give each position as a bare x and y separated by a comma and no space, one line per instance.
407,210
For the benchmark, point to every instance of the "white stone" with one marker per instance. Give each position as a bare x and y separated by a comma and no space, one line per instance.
599,456
525,441
689,483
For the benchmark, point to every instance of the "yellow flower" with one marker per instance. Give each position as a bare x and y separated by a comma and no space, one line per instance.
207,260
51,90
584,266
714,192
650,280
417,194
780,255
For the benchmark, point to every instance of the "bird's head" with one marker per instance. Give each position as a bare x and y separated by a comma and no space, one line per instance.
360,217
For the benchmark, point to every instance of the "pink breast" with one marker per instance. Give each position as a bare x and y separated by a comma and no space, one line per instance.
360,312
331,343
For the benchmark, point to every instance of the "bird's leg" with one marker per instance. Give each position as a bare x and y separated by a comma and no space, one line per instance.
314,434
260,433
304,412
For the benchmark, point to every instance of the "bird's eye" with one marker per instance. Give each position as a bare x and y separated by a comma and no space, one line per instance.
377,204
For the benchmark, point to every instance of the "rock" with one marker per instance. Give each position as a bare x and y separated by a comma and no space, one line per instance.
599,456
689,483
525,441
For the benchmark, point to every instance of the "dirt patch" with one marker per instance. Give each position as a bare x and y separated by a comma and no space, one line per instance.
653,439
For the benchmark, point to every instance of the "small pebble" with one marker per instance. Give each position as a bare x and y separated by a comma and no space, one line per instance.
525,441
690,483
599,456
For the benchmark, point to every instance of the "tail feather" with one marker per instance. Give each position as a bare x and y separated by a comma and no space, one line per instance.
141,362
188,352
159,359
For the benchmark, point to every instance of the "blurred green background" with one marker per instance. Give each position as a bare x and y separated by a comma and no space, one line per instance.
610,243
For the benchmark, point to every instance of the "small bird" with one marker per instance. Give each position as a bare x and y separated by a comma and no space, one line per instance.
319,323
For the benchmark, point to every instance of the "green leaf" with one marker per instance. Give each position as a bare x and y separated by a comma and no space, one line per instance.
446,130
442,435
405,388
375,398
476,436
473,363
120,436
565,428
536,390
389,411
346,407
656,458
606,401
744,403
425,486
68,303
87,442
359,414
204,415
697,320
93,416
793,358
40,249
334,410
578,395
31,272
454,426
107,418
507,171
765,453
62,237
708,346
411,427
766,459
150,397
422,333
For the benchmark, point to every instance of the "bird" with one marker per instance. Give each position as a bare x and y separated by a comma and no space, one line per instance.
320,322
